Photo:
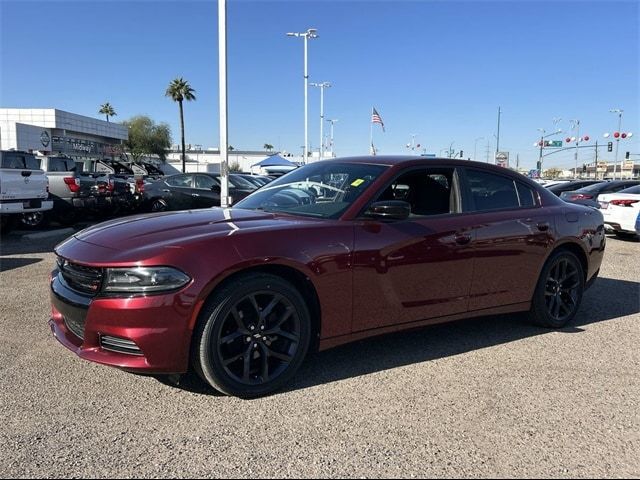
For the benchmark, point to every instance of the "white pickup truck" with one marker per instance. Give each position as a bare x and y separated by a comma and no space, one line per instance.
23,187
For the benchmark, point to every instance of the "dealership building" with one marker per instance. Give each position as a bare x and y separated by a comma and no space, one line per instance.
48,131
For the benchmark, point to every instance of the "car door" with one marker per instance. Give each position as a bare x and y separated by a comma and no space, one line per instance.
418,268
177,191
512,236
206,191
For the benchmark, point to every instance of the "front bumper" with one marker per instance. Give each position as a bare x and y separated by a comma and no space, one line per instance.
158,325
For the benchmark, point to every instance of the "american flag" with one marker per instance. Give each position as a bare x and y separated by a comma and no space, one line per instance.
376,118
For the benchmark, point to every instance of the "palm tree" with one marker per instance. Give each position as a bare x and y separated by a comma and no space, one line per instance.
107,109
268,147
180,90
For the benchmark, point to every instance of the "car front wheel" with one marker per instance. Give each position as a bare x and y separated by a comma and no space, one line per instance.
252,336
559,291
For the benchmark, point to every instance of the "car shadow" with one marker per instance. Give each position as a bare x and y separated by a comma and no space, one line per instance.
441,341
7,264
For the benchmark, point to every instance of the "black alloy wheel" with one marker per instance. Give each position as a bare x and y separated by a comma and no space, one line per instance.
34,220
559,291
159,205
253,336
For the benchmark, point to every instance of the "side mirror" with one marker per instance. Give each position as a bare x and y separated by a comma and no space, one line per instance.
389,210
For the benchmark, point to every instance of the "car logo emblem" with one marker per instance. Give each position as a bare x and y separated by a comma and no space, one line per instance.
45,138
26,179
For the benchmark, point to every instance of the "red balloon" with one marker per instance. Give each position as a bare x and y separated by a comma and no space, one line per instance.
624,135
616,135
586,138
539,144
568,139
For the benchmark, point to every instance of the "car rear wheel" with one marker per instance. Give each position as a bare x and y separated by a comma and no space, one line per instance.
559,291
159,205
252,336
34,220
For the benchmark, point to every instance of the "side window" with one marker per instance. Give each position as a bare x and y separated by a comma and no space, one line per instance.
526,195
491,192
183,181
429,191
57,165
204,182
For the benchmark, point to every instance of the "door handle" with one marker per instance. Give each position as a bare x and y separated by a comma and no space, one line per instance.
166,190
543,226
462,238
195,194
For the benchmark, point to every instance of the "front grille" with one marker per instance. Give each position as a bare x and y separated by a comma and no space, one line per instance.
120,345
80,278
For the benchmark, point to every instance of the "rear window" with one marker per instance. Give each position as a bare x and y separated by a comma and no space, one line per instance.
635,189
20,161
61,165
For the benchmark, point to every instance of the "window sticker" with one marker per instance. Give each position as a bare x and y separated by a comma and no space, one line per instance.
357,183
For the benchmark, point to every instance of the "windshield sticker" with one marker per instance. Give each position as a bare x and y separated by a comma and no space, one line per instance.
357,183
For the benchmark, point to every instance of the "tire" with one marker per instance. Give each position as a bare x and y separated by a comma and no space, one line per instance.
34,220
559,290
159,205
233,344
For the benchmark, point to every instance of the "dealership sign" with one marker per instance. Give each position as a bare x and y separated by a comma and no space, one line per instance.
502,159
45,138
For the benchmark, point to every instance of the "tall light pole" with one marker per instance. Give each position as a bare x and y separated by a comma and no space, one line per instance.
615,163
498,133
475,146
222,81
321,86
541,145
332,121
310,33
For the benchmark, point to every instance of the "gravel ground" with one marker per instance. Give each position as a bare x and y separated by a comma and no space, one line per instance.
493,397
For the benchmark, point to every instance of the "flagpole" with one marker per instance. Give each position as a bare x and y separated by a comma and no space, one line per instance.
371,148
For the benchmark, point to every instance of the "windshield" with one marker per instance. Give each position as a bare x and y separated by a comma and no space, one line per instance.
635,189
322,189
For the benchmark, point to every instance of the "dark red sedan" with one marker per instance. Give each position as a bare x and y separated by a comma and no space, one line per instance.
330,253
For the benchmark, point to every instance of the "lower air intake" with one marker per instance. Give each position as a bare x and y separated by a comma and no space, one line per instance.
119,345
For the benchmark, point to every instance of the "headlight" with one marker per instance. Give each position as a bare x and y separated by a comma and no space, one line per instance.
143,280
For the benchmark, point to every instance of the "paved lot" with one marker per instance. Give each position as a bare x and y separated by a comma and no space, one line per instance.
489,397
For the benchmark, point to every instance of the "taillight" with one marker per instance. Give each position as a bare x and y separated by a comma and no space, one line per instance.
140,186
111,186
624,203
581,196
73,183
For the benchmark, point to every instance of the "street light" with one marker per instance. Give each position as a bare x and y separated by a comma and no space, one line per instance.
321,86
475,145
310,33
332,121
575,125
541,145
617,137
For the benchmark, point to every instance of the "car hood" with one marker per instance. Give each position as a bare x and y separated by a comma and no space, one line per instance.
146,235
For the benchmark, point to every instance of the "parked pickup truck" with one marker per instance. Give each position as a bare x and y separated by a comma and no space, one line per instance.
23,187
73,192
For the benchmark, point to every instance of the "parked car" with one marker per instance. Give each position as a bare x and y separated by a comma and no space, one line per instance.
243,294
588,196
558,188
257,180
186,191
24,188
122,183
73,192
621,211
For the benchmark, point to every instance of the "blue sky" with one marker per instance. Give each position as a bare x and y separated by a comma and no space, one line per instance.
436,69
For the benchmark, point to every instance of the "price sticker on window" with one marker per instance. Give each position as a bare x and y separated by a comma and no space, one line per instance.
357,183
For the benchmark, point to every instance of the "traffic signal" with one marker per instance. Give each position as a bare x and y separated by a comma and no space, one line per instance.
461,154
584,168
610,147
627,155
538,165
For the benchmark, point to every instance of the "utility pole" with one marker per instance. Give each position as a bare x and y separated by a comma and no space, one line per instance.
223,105
488,150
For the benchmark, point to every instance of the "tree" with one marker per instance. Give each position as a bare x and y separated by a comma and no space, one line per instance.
147,137
235,167
268,147
107,109
552,173
179,90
